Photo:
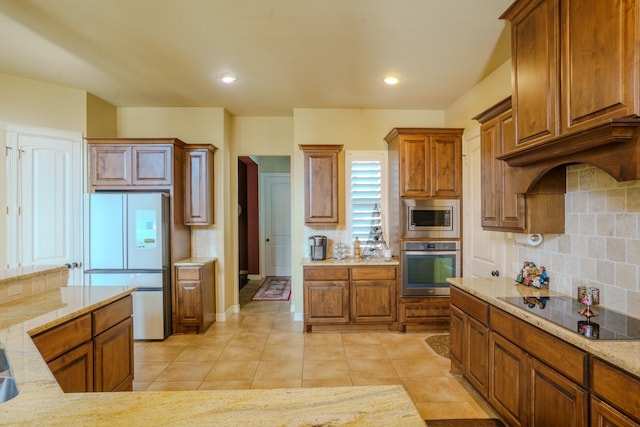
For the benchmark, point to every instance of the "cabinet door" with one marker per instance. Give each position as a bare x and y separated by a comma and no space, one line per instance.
189,309
113,351
603,415
152,164
456,337
321,184
491,170
535,74
74,369
599,44
373,301
476,367
326,302
110,165
554,400
447,165
198,187
415,161
507,379
512,204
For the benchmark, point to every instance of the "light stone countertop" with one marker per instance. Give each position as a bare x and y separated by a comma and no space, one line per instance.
348,262
41,402
624,354
198,261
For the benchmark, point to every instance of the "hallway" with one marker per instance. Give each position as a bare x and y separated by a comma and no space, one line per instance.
262,347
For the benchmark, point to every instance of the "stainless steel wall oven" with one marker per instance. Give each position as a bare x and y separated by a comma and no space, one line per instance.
426,266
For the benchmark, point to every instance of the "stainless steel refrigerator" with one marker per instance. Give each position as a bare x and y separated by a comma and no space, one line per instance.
127,243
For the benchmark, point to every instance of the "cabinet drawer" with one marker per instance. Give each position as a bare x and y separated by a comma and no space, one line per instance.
189,273
373,273
471,305
326,273
565,358
112,314
63,338
620,389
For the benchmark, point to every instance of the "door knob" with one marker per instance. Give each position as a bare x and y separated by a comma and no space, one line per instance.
495,273
267,240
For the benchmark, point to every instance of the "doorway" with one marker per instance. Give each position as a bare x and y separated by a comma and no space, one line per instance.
264,217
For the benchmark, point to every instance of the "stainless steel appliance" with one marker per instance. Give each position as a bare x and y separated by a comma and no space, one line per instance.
431,218
426,266
318,247
126,243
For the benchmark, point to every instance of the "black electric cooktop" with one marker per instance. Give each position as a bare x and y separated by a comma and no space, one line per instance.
564,311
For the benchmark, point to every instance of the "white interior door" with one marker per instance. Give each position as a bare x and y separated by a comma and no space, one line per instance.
483,251
48,228
276,202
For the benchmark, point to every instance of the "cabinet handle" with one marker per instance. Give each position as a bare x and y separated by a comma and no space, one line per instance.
189,288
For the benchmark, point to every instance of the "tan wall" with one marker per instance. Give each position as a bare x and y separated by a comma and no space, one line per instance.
101,118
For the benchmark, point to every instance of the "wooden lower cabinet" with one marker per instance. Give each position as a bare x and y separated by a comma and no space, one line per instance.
195,305
507,376
350,297
113,353
554,400
74,369
604,415
476,366
615,396
92,352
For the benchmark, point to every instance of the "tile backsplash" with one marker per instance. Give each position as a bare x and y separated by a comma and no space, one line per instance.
601,244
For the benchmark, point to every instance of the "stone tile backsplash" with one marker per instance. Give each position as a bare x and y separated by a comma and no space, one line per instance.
601,244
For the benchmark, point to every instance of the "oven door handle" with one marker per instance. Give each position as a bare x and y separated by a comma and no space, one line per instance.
422,253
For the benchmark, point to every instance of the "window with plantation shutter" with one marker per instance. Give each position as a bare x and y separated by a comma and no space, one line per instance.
365,194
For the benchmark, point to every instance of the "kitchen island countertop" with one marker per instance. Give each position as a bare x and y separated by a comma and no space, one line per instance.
41,402
625,354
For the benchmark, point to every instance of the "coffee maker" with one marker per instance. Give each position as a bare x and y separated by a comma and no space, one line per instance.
318,247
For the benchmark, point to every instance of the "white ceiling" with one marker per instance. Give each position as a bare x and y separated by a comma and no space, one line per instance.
287,53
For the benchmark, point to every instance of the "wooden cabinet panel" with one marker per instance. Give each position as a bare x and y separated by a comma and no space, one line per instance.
63,338
373,300
447,164
476,366
507,380
110,165
195,297
554,400
74,369
618,388
111,315
326,273
373,273
470,305
430,161
598,51
113,352
456,340
603,415
415,158
199,174
321,183
326,302
152,164
424,314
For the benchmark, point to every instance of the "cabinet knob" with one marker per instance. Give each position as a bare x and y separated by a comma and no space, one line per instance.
495,273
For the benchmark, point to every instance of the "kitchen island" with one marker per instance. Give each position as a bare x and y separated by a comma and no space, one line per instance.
41,402
537,360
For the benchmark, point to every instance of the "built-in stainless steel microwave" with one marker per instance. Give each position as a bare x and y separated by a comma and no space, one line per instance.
431,218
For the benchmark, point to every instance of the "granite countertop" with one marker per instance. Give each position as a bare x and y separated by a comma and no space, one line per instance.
624,354
349,262
41,402
196,261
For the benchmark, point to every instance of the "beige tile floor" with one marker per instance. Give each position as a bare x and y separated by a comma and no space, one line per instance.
263,347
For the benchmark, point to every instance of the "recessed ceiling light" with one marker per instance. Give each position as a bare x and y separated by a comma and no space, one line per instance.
227,78
392,80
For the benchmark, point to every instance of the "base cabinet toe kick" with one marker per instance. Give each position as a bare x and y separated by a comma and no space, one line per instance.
533,378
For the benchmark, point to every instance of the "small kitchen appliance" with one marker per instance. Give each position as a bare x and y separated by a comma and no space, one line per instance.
318,247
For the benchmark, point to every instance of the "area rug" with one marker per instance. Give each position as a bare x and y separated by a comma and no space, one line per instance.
439,344
274,289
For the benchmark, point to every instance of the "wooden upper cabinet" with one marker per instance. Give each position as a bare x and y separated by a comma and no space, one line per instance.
573,66
120,163
199,196
430,161
321,183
